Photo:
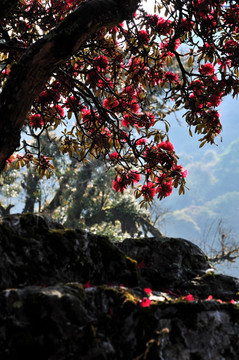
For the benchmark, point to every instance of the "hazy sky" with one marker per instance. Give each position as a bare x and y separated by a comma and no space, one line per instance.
149,6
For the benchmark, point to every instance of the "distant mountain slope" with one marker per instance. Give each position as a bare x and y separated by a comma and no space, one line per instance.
214,193
213,180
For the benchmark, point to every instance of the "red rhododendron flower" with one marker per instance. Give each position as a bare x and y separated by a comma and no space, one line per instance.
144,36
178,170
152,19
186,24
127,120
43,97
165,189
231,46
148,190
133,106
101,62
119,184
144,302
114,155
129,90
36,121
73,2
10,159
224,63
166,145
73,103
139,120
168,47
111,104
86,285
189,297
89,117
196,102
136,68
102,138
104,83
134,176
163,26
148,291
162,154
48,96
207,69
199,3
146,120
6,71
185,173
59,109
214,100
141,265
197,86
170,76
43,163
93,77
141,141
213,120
56,86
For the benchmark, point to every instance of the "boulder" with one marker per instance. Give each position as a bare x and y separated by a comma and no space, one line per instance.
67,294
36,251
166,262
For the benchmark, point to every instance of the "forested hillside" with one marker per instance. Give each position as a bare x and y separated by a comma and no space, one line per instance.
213,182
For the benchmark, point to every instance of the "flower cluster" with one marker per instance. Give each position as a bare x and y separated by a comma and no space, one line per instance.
124,179
160,24
106,88
207,69
36,121
165,186
162,154
141,120
148,191
73,103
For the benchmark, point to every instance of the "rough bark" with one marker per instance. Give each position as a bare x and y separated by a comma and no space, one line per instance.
56,201
40,60
31,187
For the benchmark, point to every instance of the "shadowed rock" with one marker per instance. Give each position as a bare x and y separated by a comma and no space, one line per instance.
67,294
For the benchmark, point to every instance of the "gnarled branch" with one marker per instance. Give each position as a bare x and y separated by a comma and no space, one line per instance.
39,61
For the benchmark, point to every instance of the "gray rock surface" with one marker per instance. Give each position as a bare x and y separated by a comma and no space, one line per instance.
66,294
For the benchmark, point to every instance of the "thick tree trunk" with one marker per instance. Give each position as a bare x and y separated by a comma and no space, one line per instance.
37,64
31,187
6,6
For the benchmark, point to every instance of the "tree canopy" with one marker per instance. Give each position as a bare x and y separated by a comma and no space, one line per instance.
87,69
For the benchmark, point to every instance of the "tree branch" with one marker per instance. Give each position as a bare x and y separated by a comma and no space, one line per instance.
39,61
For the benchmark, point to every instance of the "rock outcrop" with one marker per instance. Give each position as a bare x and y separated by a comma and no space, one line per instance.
67,294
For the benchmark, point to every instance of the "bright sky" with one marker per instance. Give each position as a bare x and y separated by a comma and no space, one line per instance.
149,6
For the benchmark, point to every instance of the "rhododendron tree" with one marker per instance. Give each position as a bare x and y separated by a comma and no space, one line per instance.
87,70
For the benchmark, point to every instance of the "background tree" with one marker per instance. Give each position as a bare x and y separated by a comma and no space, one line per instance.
81,196
10,188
